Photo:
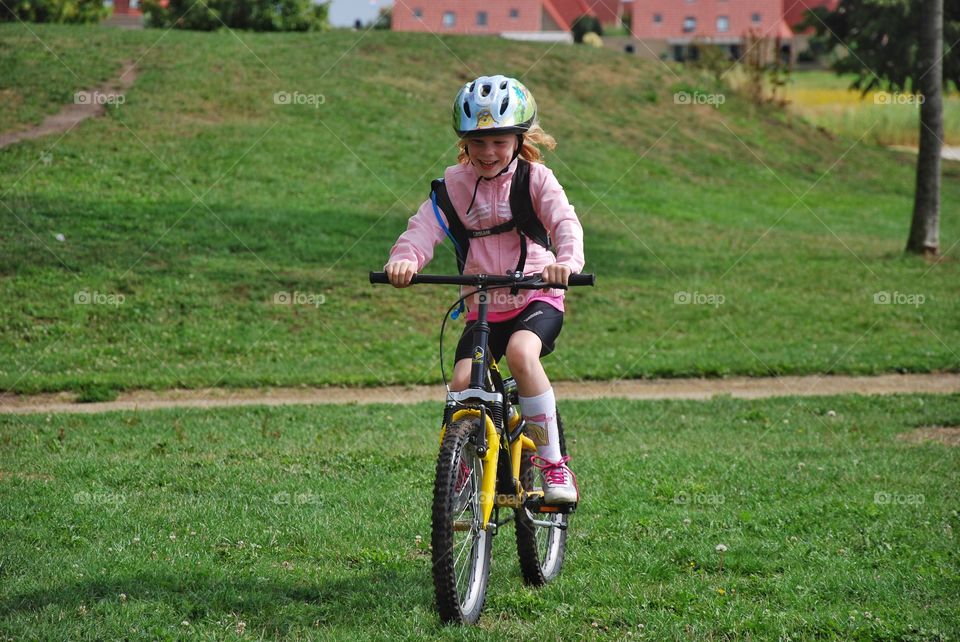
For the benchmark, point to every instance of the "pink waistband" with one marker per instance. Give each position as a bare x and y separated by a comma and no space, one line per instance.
498,317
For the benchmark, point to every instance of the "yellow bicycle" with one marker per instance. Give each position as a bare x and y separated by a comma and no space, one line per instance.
484,466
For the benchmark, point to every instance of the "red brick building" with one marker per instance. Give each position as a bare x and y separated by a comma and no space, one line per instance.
498,16
672,25
664,28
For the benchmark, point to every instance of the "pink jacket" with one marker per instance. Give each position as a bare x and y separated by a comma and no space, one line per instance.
499,253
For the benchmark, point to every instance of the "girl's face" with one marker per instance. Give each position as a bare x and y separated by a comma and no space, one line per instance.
490,154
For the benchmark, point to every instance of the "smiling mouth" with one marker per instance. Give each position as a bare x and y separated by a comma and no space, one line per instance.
486,164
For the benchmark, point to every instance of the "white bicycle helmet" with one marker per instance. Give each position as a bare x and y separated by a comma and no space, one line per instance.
493,105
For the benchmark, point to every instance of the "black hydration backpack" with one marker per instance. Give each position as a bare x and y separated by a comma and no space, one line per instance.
524,219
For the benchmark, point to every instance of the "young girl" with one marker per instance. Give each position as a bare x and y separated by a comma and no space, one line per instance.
496,119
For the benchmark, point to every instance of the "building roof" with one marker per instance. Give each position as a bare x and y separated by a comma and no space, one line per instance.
565,12
795,11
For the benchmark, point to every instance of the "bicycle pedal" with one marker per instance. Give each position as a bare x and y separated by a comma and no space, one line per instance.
536,505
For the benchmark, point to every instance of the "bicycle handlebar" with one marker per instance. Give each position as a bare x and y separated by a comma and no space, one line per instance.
525,283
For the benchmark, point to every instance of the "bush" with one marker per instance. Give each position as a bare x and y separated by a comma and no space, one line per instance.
257,15
384,18
585,24
593,40
67,11
710,58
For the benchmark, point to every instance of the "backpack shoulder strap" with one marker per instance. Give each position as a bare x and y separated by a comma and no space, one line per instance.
454,229
521,205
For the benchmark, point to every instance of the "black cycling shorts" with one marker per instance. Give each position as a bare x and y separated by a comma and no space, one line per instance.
539,317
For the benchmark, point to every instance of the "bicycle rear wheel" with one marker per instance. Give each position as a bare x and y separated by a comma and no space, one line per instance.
540,547
461,548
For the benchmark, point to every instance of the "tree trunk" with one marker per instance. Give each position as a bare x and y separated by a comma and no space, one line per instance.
925,228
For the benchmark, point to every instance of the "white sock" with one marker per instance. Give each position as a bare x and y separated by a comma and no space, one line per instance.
540,413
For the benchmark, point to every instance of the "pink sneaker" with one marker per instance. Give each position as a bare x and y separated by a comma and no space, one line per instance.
559,482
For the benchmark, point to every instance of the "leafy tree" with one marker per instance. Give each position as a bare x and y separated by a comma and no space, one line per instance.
384,18
905,46
68,11
257,15
585,24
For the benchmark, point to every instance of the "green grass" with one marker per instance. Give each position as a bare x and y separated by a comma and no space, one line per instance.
301,522
825,99
41,66
189,207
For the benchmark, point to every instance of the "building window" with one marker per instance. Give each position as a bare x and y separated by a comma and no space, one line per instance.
755,18
514,14
418,13
689,24
449,18
723,24
481,18
657,18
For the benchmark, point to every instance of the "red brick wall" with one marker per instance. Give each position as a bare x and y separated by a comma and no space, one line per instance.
706,13
498,15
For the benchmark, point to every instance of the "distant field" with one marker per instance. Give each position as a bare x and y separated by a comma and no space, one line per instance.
888,119
303,523
204,233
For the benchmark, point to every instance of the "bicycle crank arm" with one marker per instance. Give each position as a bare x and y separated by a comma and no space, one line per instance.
547,524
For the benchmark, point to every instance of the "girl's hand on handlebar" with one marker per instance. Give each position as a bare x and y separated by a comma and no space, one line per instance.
400,273
556,273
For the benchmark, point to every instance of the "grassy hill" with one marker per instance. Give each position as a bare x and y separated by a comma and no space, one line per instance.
190,206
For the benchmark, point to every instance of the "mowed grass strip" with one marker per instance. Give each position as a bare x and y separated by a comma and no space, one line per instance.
208,232
313,523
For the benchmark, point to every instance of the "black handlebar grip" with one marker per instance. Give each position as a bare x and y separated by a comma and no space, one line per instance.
582,279
381,277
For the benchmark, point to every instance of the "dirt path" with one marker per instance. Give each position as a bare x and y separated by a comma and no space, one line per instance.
87,104
947,152
739,387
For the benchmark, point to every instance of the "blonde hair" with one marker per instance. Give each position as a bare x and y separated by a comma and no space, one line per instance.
533,139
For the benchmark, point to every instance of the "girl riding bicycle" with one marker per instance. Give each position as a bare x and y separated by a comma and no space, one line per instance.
499,230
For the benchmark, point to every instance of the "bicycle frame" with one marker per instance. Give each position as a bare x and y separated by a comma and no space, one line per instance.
478,394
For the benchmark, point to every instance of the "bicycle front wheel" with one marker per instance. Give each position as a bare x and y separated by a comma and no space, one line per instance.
541,537
461,547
